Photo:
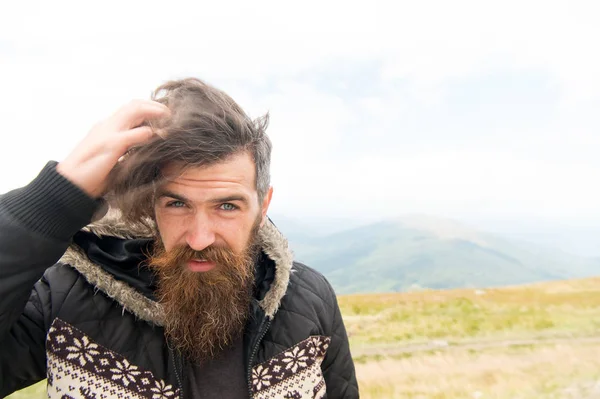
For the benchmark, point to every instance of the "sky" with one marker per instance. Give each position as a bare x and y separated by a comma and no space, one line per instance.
483,111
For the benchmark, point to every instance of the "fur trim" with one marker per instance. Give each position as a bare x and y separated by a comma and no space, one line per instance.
113,225
273,243
275,246
131,300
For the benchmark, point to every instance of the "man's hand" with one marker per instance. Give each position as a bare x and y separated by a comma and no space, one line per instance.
90,163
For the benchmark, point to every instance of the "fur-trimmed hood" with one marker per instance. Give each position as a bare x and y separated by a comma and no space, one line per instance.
272,242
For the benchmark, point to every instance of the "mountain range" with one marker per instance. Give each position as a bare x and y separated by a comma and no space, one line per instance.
424,252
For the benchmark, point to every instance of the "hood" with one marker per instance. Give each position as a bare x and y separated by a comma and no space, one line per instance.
108,252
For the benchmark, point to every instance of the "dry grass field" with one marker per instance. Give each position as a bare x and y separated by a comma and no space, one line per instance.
524,342
535,341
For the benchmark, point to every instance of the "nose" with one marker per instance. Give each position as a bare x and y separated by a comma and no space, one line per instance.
200,234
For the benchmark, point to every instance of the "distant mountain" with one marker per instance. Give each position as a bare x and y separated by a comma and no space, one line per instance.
426,252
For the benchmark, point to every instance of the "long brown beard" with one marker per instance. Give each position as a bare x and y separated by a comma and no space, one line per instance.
204,312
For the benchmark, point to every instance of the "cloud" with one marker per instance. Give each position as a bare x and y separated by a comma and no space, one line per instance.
365,97
448,183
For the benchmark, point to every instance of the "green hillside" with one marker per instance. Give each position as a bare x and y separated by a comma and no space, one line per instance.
424,252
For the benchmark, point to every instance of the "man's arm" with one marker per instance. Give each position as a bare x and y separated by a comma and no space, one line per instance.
38,220
36,225
338,366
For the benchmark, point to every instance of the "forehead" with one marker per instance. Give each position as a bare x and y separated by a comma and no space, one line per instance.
236,171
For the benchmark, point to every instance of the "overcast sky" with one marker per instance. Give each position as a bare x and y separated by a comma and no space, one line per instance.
464,109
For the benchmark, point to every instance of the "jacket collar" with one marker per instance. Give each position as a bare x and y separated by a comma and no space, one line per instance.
272,242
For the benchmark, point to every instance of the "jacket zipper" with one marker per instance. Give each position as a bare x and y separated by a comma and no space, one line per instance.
264,327
177,372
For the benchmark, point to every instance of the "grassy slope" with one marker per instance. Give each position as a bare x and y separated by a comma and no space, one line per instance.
559,307
535,341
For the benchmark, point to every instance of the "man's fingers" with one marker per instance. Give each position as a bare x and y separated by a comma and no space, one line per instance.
138,111
138,135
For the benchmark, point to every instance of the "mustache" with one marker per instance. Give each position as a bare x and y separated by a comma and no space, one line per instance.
181,254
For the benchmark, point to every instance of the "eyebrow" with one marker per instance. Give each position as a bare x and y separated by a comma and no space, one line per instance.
170,194
230,198
179,197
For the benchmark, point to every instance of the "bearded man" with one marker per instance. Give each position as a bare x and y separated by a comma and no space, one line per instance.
144,265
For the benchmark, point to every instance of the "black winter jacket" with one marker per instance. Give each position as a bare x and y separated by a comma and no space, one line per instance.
76,308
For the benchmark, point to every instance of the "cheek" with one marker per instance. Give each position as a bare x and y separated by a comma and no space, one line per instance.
170,230
236,233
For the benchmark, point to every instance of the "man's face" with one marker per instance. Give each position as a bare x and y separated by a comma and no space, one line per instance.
214,206
208,220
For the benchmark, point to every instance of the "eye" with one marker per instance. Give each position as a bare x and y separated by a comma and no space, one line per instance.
228,207
175,204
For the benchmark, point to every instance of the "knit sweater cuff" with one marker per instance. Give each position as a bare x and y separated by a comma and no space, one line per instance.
51,205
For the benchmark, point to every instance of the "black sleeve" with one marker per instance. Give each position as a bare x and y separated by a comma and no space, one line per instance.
36,226
338,366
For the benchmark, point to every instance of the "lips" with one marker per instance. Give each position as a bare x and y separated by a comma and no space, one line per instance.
200,265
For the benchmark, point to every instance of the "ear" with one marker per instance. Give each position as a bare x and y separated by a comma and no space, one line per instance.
265,206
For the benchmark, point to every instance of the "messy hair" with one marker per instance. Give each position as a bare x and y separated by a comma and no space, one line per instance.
206,127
